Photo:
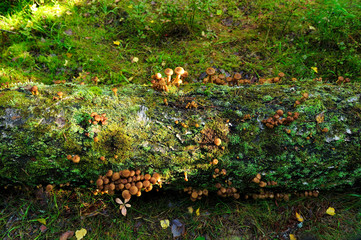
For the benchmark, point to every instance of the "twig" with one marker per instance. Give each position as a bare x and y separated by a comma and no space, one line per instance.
8,31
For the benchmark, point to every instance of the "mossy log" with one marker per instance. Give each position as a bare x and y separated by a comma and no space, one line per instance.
165,132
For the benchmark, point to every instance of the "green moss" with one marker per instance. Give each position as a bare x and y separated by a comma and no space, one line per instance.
113,140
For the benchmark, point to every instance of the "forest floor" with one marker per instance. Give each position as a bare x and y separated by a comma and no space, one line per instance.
37,214
125,42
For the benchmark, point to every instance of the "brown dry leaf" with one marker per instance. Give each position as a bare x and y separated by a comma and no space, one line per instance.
66,235
43,228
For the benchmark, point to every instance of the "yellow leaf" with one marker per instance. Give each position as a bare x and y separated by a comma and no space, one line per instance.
116,43
135,59
330,211
42,221
190,210
130,6
299,217
293,237
164,223
79,234
314,69
69,55
197,212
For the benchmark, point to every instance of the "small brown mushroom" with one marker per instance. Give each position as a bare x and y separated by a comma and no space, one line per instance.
115,91
210,71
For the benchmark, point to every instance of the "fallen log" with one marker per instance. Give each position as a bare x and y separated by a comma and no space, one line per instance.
304,136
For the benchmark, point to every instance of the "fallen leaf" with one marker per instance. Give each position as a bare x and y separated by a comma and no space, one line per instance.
164,223
42,221
190,210
314,69
116,43
135,59
66,235
178,228
330,211
293,237
197,212
43,228
79,234
299,217
69,55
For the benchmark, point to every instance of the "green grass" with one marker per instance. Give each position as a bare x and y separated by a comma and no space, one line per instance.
219,218
57,40
75,41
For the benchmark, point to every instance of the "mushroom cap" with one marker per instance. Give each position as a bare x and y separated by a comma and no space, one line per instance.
99,182
185,74
281,74
126,194
111,187
215,161
34,89
69,157
237,76
139,185
147,176
168,72
128,186
137,172
76,159
210,71
49,188
194,194
126,173
153,180
60,94
218,185
109,173
158,76
115,176
133,190
146,183
132,173
156,176
217,141
280,112
114,89
179,70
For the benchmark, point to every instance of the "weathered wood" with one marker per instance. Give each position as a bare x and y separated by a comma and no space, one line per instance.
319,150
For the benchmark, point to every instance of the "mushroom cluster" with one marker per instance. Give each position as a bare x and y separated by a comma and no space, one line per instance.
129,182
161,84
98,118
265,194
221,79
227,191
74,159
303,99
192,104
257,179
218,172
60,96
313,193
279,119
341,80
277,79
59,81
196,193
